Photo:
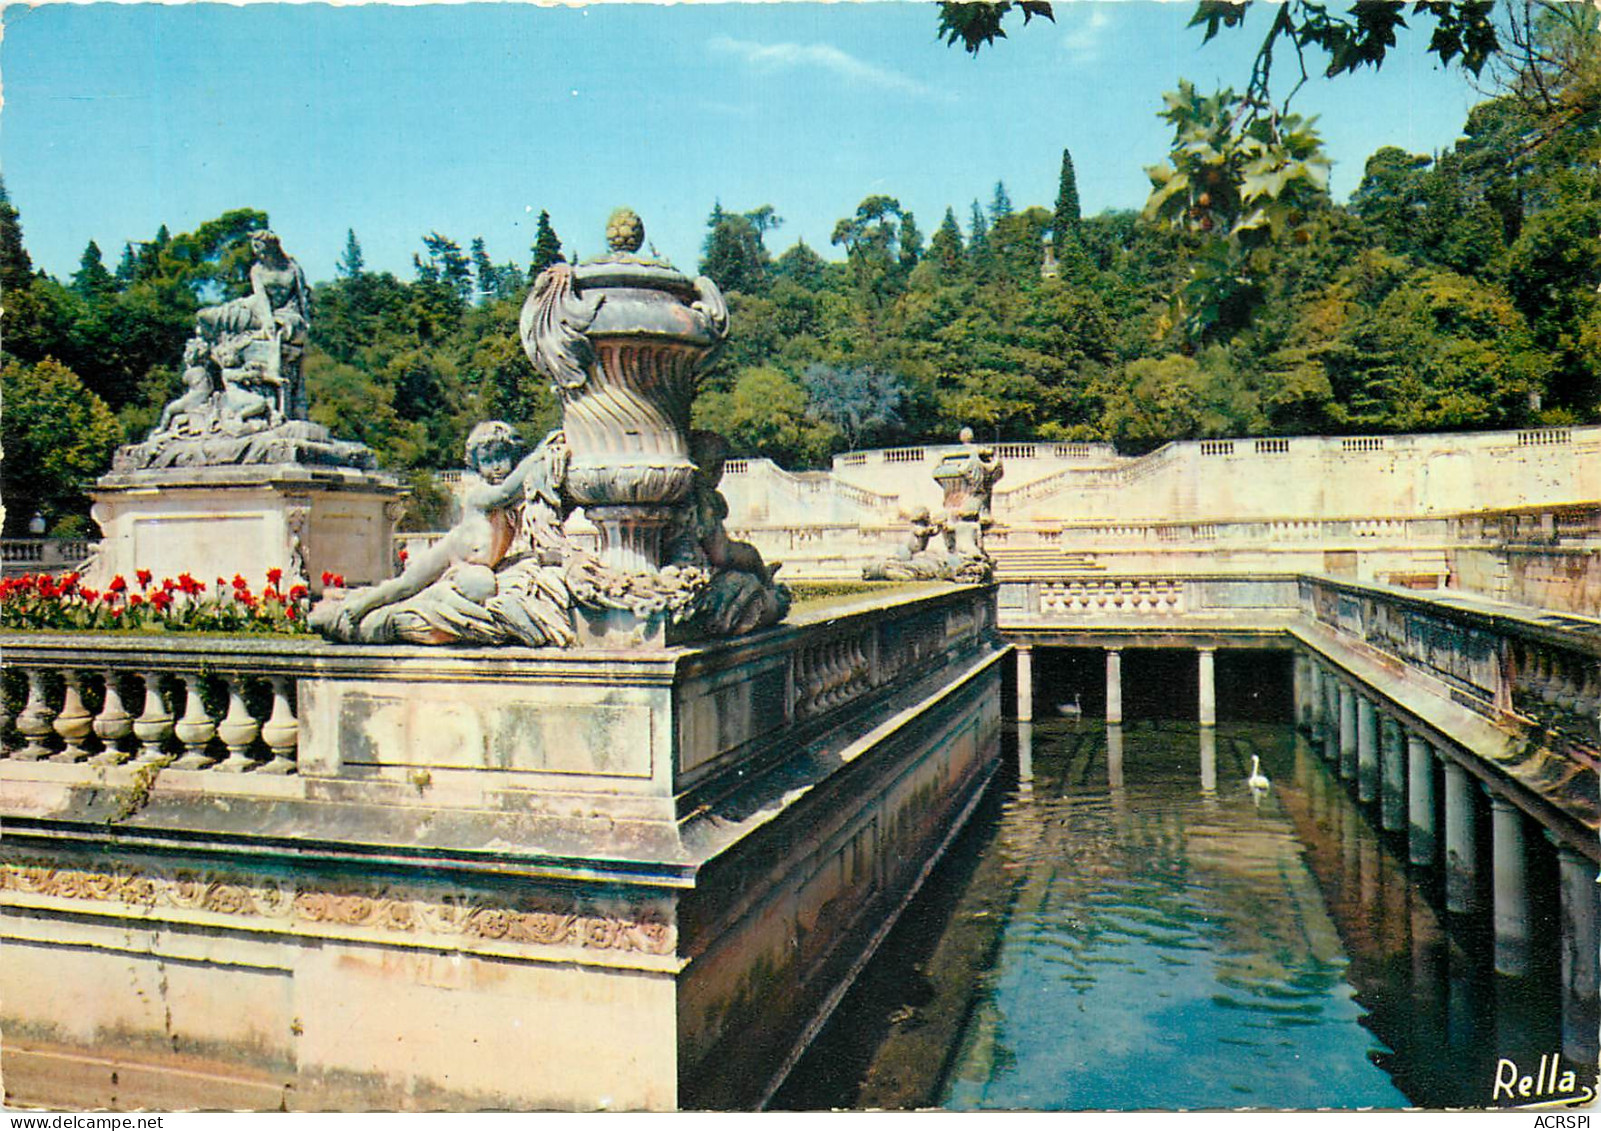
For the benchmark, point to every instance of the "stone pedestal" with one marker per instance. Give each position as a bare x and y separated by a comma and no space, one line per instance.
213,522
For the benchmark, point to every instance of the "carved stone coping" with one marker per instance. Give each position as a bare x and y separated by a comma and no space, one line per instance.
1571,633
282,477
481,752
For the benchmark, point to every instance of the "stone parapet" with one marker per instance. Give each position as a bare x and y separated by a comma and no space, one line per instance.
476,877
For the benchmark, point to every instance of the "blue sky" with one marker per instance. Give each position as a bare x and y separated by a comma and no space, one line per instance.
468,119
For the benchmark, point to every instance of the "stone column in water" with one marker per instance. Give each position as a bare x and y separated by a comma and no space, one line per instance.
1208,760
1025,683
1461,847
1347,732
1208,657
1511,887
1331,718
1393,785
1302,689
1580,1005
1114,686
1420,800
1314,699
1367,749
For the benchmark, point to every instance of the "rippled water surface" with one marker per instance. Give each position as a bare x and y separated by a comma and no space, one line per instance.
1130,926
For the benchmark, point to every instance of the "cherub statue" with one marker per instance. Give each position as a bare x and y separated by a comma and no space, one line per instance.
495,577
914,560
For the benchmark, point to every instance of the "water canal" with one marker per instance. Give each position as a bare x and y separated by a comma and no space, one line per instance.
1127,925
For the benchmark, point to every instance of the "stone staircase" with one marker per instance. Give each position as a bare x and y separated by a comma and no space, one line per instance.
1038,562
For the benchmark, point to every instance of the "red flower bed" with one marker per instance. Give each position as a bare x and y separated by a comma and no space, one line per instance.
41,601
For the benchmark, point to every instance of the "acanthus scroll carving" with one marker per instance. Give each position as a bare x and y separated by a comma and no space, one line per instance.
552,327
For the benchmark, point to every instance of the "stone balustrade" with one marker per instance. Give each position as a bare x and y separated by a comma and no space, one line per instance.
310,709
1501,664
187,703
43,555
1202,603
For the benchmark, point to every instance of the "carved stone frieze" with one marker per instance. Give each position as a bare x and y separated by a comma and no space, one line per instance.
384,910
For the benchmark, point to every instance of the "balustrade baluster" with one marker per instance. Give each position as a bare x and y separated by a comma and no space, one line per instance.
154,725
281,732
74,723
195,730
237,730
34,722
113,724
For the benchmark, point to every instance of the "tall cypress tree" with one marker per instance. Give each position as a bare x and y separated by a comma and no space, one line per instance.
1001,205
547,246
945,245
92,278
979,253
351,264
1064,225
485,273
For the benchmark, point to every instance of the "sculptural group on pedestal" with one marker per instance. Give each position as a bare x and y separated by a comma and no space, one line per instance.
244,399
950,548
623,338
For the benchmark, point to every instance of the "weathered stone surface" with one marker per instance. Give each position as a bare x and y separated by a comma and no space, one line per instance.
968,477
212,521
246,399
644,905
624,339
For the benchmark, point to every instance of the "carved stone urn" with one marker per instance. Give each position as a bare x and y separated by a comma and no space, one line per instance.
624,339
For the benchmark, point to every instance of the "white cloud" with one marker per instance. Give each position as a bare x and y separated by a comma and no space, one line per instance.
1087,31
819,56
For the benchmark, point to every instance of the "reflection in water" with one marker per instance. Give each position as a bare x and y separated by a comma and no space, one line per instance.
1129,927
1168,946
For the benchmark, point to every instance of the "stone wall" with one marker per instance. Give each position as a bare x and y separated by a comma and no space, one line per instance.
1300,477
487,877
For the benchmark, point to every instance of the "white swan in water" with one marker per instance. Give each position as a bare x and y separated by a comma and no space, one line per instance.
1258,780
1070,710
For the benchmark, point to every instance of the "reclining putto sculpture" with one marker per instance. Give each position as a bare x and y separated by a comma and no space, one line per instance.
950,548
245,400
624,339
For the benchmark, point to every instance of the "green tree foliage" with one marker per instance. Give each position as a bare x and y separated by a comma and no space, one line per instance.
351,262
92,280
1066,219
734,253
58,436
546,247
